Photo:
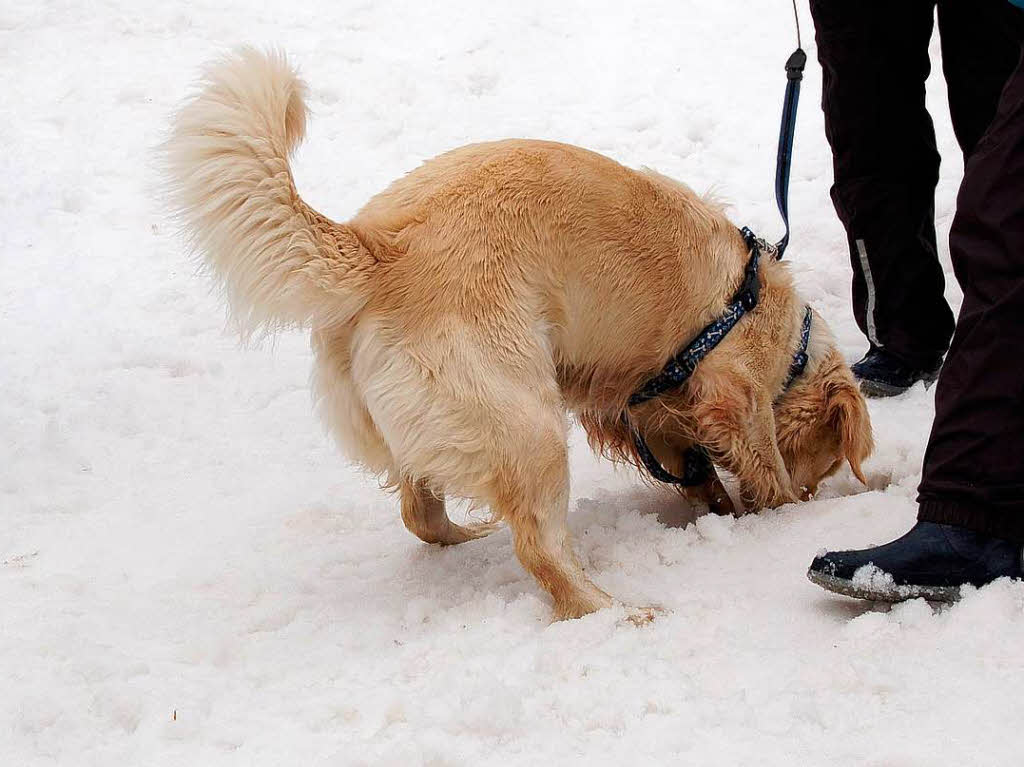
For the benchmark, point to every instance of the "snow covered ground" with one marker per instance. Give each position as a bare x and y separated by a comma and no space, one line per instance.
191,575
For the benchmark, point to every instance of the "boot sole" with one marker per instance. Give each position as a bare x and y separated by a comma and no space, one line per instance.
877,389
894,594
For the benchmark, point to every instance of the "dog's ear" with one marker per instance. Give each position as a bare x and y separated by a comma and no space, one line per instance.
847,414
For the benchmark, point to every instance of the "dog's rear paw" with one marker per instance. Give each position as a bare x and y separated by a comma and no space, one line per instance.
455,534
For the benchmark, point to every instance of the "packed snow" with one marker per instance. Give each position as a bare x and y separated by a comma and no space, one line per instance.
190,573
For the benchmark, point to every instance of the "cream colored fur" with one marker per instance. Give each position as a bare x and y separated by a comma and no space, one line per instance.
282,262
465,310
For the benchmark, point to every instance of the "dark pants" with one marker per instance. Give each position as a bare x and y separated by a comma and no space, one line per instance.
974,465
874,60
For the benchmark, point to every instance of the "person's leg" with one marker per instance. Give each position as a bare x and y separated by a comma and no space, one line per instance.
974,465
980,48
874,59
980,43
971,516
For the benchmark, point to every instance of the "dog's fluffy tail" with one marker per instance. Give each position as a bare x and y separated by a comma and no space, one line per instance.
229,179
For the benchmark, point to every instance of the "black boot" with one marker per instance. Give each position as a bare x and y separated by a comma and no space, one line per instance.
931,561
883,375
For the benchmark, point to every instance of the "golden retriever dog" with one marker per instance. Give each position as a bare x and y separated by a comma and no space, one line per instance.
468,308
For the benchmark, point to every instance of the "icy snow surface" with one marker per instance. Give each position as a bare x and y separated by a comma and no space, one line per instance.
191,575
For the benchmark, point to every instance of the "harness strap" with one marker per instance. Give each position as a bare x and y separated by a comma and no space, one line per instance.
696,469
679,369
698,465
784,158
800,357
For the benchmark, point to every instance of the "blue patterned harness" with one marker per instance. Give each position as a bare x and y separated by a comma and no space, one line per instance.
678,370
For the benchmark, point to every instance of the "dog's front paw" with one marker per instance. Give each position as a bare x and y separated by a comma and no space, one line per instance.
722,505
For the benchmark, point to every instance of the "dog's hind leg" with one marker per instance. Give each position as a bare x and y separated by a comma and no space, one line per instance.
491,428
424,516
531,493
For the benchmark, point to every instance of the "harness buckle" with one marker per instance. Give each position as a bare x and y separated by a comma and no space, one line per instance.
748,298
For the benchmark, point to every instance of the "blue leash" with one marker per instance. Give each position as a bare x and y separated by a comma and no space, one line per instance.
784,158
794,74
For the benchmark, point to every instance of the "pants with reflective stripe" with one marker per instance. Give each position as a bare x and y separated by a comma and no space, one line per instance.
874,60
974,465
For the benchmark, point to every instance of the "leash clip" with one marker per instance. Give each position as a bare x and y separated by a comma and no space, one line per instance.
768,248
795,65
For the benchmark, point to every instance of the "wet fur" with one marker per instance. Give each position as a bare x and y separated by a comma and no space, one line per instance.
465,310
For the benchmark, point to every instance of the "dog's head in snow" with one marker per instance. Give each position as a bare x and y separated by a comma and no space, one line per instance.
822,420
